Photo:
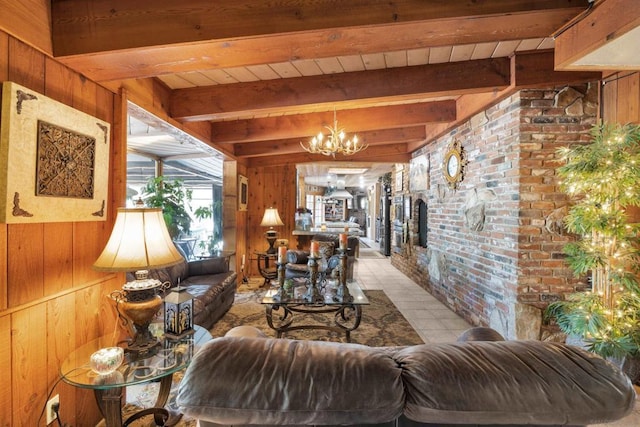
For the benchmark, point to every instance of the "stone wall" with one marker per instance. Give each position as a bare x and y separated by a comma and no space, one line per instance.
494,252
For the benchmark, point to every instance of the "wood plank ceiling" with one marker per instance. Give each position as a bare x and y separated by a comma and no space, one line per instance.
267,75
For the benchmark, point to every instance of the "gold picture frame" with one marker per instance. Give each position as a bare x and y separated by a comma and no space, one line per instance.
54,160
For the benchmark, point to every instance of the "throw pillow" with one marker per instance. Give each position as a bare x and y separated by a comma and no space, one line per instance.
325,249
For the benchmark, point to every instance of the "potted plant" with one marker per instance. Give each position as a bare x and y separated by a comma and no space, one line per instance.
602,178
174,199
214,242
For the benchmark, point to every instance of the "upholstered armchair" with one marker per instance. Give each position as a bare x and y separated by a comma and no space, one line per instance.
328,243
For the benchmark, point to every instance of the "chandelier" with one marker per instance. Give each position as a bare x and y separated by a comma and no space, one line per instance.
334,142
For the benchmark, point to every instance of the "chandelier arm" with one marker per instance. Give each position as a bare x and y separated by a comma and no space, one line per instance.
335,142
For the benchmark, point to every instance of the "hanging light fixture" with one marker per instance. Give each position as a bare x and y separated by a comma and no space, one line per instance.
334,142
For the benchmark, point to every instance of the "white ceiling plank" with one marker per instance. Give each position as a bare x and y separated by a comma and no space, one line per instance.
484,50
175,81
396,59
242,74
418,56
505,48
219,76
330,65
197,79
547,43
373,61
263,72
351,63
529,44
439,55
307,67
462,52
286,70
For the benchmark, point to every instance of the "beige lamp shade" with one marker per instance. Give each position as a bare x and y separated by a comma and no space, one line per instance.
139,240
271,218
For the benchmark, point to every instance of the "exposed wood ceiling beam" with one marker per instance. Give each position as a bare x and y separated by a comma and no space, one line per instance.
536,68
288,146
393,153
328,91
123,39
606,38
305,125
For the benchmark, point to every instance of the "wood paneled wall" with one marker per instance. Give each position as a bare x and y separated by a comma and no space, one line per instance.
621,97
272,186
51,299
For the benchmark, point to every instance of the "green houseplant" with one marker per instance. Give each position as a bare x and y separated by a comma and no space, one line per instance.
174,199
603,179
214,240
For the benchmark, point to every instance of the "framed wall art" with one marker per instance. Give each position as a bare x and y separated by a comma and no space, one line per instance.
419,174
54,160
243,192
398,181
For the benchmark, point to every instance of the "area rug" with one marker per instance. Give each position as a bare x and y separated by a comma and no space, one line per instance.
382,324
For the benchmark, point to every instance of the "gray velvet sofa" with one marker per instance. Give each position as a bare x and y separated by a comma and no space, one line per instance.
209,281
245,379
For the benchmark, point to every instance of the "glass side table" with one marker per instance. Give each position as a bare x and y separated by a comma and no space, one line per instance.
171,356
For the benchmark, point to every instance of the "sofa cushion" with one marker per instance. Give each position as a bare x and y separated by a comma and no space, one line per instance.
509,383
297,257
212,265
284,382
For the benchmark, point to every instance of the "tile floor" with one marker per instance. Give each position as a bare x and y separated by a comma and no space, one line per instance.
428,316
433,321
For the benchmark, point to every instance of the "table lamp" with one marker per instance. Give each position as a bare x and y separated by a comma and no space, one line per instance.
139,241
271,219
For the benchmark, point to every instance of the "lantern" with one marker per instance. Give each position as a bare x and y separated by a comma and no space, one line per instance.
178,313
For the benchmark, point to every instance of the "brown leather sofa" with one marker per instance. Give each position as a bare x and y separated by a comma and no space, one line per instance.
244,379
210,282
297,259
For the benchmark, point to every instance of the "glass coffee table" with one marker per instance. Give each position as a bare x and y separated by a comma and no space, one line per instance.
172,355
347,312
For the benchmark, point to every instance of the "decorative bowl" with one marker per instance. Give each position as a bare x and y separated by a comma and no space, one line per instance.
107,360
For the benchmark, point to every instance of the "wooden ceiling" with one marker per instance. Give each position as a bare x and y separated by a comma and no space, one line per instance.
268,75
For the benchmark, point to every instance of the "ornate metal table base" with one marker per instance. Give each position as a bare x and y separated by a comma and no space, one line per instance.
346,319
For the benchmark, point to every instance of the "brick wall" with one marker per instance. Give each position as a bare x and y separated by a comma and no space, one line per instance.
500,271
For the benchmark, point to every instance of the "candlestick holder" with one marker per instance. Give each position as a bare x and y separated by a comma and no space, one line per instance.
342,292
281,294
313,292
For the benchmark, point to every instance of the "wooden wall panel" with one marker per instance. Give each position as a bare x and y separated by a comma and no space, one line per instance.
51,299
4,57
5,360
621,97
29,364
25,263
270,187
609,107
59,81
26,66
628,98
61,337
58,253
